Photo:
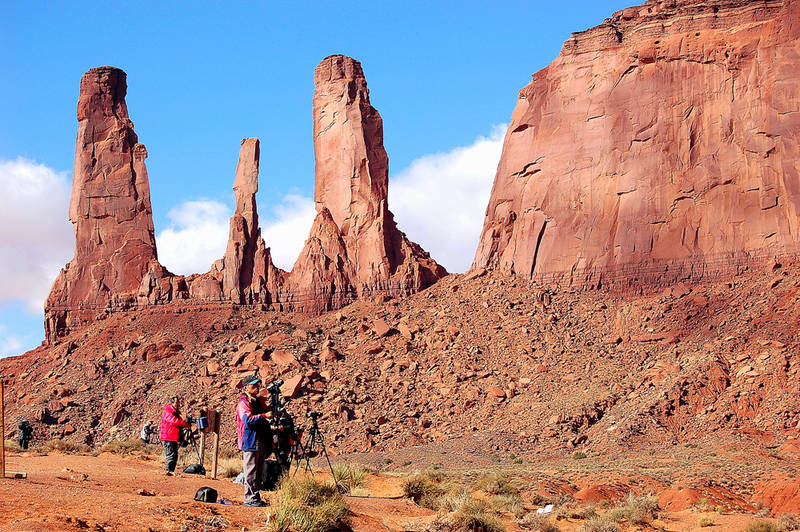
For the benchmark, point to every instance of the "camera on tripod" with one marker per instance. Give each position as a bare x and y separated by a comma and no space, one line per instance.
314,415
275,386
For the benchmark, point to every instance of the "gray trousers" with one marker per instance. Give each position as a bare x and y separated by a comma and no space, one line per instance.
170,455
253,468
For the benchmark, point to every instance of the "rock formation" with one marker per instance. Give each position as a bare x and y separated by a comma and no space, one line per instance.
110,209
354,248
661,144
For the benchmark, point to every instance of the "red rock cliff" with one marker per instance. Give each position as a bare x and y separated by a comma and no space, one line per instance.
661,144
355,248
110,209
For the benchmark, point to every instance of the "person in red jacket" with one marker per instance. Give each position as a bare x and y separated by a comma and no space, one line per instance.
171,424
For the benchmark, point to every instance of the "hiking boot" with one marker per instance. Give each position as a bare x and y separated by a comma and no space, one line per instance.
257,504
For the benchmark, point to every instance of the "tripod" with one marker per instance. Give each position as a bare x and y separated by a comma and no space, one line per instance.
192,442
315,437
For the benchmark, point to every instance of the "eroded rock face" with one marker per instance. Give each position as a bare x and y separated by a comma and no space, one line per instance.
354,248
368,254
110,209
661,144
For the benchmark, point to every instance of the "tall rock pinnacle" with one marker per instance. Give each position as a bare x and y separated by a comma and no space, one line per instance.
367,252
657,146
110,208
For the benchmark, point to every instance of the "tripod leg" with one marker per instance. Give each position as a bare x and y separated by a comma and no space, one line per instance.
330,466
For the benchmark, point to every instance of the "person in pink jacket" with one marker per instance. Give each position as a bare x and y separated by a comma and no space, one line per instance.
171,424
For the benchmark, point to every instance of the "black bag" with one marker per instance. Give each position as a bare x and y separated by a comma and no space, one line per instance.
272,474
195,469
206,494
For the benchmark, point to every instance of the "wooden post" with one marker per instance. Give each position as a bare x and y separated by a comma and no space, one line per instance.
2,431
213,426
203,449
216,454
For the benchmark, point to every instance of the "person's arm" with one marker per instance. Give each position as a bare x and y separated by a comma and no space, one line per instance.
172,419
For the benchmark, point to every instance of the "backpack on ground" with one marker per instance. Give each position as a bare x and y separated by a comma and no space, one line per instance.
194,469
206,494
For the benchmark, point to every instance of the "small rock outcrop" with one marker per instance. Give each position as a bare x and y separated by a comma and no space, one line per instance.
660,145
109,209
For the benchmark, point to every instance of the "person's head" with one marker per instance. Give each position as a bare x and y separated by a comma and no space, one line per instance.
252,385
175,401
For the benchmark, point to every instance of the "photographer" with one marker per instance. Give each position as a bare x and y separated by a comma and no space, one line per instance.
252,426
171,424
25,433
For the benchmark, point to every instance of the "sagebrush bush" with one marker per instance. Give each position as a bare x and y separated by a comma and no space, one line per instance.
705,521
305,505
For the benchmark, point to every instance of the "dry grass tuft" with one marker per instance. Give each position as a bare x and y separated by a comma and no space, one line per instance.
125,447
599,524
11,445
424,488
229,467
349,476
497,484
475,516
306,505
705,521
63,446
764,526
537,523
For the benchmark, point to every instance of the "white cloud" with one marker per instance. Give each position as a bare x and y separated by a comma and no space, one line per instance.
440,200
10,344
198,233
286,229
196,237
36,237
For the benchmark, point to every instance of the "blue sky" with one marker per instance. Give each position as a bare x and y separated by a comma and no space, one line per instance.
202,76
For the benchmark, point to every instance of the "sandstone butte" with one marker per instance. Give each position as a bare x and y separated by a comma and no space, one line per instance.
660,145
354,249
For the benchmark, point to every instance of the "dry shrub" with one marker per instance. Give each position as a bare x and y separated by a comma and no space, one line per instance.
125,447
789,522
349,476
497,484
575,511
63,446
599,524
453,498
474,516
764,526
424,489
507,503
538,523
636,510
11,445
306,505
229,467
229,452
705,521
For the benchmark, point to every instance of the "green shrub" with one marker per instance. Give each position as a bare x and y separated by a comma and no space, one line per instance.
63,446
305,505
579,455
474,516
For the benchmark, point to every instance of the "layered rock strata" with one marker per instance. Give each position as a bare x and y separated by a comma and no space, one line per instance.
354,248
109,209
662,144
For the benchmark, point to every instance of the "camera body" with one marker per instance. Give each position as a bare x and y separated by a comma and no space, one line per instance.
275,386
314,415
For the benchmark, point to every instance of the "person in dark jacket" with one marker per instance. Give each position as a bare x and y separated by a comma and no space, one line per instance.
171,424
24,433
252,427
